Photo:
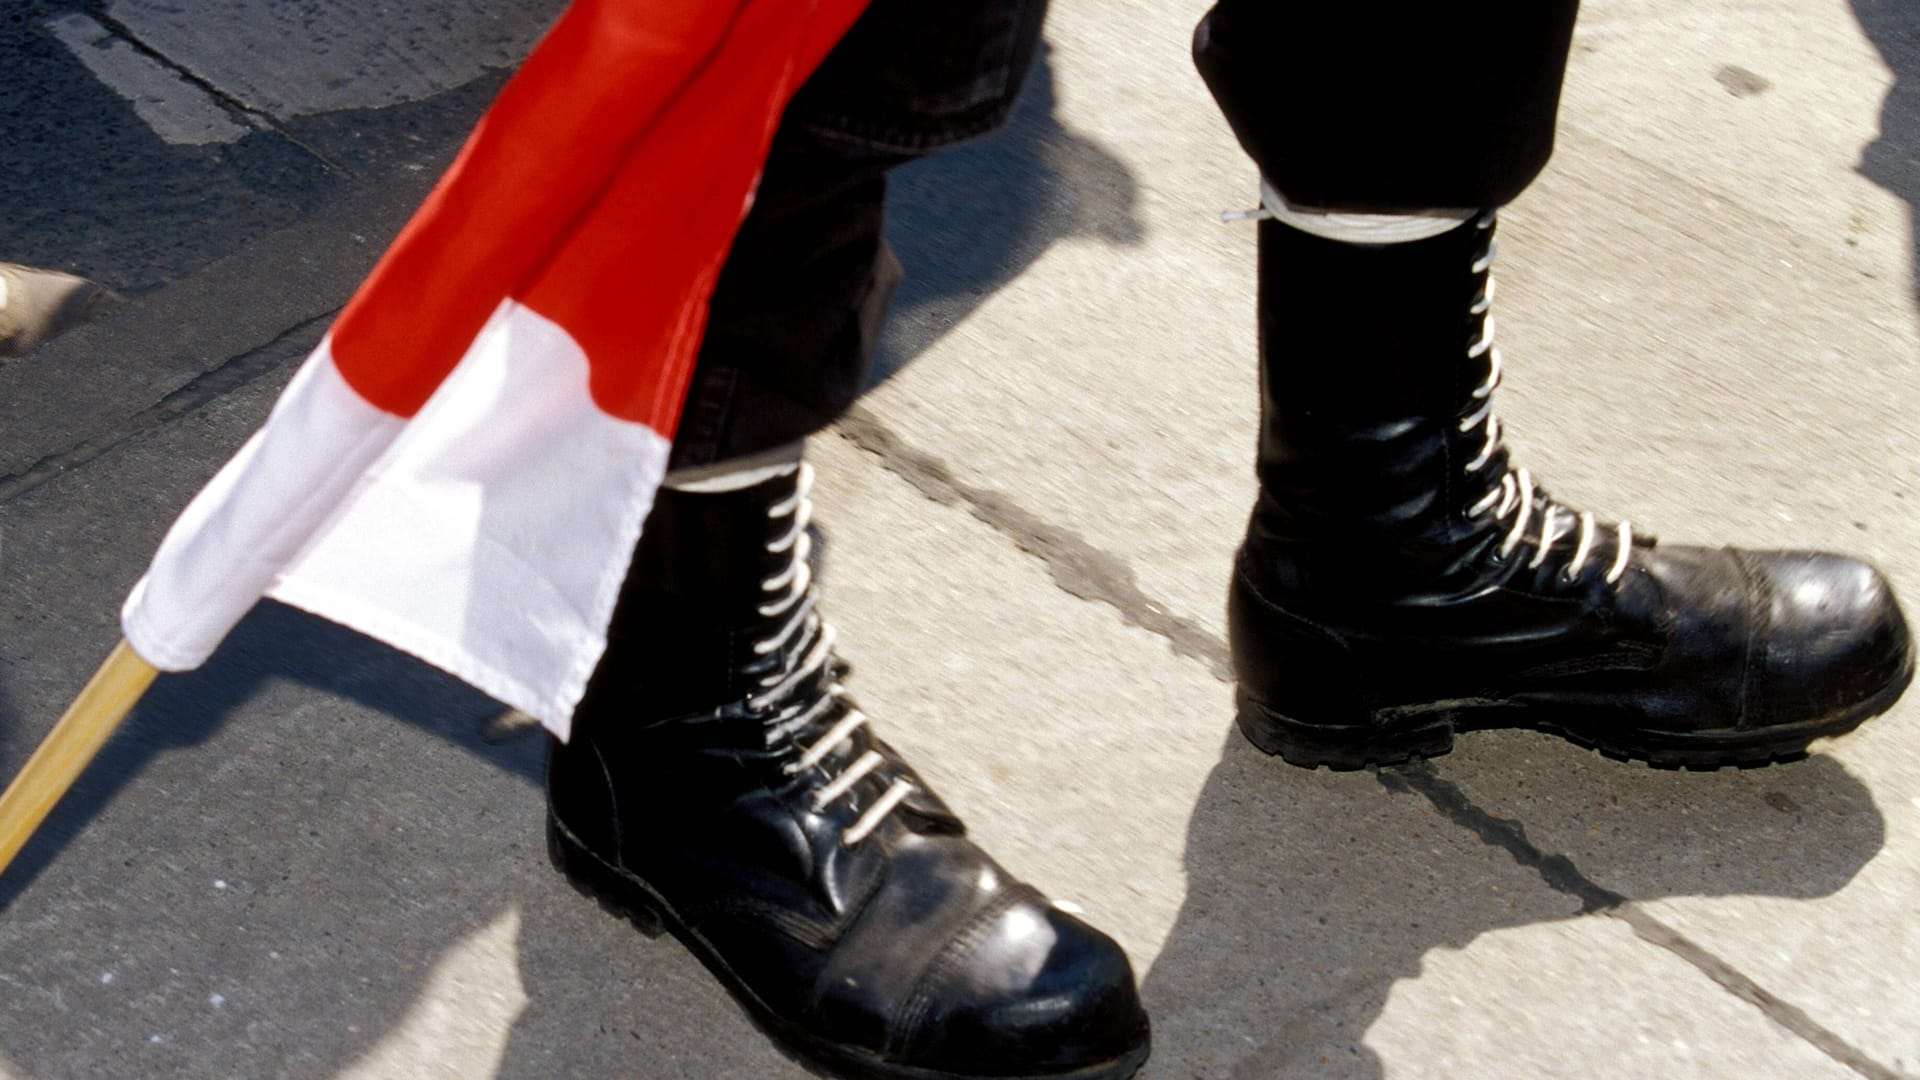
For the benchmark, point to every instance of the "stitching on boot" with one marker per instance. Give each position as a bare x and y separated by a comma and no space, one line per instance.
908,1018
1628,656
1252,583
613,801
1759,629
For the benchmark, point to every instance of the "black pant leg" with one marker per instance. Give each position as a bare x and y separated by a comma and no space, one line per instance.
1363,108
797,311
795,314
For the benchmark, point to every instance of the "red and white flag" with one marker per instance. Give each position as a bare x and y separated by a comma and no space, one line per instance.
462,467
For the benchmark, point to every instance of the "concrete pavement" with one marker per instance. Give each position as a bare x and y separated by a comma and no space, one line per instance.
318,858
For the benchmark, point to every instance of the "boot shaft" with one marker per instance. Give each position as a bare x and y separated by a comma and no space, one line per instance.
693,606
1374,361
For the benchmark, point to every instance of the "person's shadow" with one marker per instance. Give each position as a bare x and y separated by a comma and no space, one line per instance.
1893,160
967,221
270,901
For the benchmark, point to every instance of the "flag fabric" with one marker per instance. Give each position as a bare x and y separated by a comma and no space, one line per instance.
463,465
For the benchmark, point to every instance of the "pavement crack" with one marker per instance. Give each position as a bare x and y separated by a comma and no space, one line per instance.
1085,571
1077,567
229,375
1510,836
1561,875
242,113
1730,979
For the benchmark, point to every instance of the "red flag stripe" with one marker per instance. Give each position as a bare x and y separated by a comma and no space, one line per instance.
543,154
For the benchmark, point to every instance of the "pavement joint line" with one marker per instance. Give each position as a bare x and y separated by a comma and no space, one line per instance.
1576,132
245,114
1558,871
1088,573
1077,567
1561,874
1091,574
223,378
1730,979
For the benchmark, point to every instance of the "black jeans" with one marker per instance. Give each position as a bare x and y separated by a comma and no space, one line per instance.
1339,111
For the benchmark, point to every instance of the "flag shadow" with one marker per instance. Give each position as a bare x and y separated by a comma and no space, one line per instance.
276,901
316,890
273,644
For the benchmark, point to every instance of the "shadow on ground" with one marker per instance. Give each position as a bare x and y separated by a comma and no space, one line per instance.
285,895
1893,160
966,222
293,877
293,896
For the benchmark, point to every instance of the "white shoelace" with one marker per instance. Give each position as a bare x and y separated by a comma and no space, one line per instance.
1515,494
790,592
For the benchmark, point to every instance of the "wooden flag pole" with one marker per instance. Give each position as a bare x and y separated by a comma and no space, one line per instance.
102,704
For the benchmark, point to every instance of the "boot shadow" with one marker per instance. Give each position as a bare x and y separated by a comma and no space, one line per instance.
969,220
1312,894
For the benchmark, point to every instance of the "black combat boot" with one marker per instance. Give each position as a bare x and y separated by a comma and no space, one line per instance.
720,784
1401,581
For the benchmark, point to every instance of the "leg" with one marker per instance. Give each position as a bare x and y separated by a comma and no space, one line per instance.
1342,111
798,307
1401,580
720,783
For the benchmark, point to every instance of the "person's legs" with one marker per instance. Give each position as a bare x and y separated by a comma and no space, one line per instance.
796,313
1400,579
720,783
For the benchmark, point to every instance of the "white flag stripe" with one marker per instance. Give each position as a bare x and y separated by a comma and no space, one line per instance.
488,535
225,550
491,539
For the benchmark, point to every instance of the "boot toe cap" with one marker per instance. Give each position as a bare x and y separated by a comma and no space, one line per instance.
1030,990
1835,636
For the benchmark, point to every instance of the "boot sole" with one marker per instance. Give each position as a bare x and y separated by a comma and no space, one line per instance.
1402,734
622,894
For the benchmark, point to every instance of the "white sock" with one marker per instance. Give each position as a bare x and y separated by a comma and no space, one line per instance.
736,473
1360,228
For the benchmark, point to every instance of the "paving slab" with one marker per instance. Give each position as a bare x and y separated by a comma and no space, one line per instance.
1655,1017
295,59
1781,331
314,812
1281,918
144,140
